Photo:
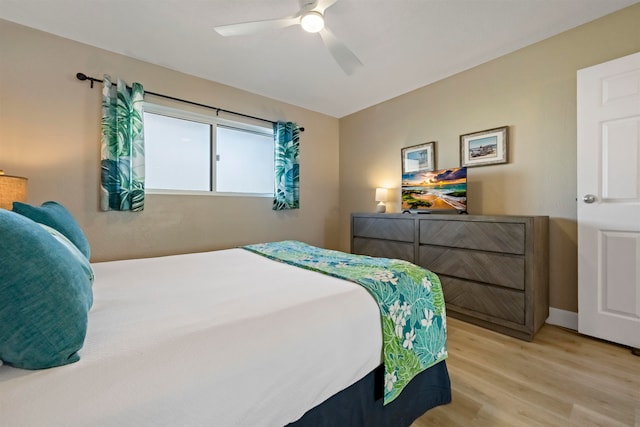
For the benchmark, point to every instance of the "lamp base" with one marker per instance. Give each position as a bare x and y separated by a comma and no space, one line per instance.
381,208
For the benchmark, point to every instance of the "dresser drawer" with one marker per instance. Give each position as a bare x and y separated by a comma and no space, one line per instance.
487,267
486,236
383,248
384,228
500,303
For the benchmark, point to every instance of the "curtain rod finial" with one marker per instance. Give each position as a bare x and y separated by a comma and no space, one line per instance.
81,76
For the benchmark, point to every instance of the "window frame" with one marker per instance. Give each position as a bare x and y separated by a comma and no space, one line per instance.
213,121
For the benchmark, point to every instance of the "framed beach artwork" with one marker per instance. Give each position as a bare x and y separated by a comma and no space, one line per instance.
487,147
419,158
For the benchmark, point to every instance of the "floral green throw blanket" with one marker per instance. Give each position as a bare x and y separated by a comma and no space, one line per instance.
410,299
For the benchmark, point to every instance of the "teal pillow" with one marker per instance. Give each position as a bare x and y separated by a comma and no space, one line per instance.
56,216
45,296
73,250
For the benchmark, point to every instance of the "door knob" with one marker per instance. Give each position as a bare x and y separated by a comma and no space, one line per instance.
589,198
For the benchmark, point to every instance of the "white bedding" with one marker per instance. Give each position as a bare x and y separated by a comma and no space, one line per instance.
225,338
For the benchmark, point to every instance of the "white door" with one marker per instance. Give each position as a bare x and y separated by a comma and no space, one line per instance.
609,200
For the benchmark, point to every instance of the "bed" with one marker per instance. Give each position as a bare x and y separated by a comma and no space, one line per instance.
225,338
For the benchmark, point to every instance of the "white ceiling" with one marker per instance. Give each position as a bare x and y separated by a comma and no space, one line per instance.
403,44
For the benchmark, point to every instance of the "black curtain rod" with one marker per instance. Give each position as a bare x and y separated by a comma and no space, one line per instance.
82,76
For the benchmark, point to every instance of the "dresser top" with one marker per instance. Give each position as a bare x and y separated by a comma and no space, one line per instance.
450,217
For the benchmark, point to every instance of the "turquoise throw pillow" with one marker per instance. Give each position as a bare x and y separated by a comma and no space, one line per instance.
73,250
45,296
56,216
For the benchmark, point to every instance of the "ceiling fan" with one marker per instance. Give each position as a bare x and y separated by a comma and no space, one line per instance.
311,18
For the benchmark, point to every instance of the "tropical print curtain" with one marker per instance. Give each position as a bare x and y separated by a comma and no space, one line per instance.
287,167
122,157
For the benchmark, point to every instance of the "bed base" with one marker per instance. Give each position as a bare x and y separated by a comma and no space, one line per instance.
361,403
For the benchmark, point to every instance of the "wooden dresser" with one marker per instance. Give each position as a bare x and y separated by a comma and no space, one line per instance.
493,269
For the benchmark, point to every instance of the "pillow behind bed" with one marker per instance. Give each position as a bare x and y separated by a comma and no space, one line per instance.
45,295
58,217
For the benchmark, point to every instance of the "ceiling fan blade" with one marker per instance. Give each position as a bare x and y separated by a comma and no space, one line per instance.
346,59
324,5
244,28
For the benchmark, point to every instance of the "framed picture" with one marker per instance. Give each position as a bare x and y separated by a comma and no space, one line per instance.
419,158
487,147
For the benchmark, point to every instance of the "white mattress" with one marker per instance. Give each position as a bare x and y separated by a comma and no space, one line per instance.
225,338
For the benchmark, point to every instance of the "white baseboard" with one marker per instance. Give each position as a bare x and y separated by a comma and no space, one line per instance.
564,318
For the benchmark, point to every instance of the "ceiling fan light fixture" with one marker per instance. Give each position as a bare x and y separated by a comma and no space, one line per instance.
312,22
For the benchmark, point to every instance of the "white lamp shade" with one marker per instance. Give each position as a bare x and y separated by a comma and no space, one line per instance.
381,194
12,189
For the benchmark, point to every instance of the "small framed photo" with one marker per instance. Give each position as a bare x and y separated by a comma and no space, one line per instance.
487,147
419,158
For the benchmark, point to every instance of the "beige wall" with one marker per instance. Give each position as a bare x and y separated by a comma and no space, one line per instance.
49,132
533,91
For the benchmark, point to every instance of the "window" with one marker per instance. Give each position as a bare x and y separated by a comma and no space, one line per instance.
177,153
189,152
244,161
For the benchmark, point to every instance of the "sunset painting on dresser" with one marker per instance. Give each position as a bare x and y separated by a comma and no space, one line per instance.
444,189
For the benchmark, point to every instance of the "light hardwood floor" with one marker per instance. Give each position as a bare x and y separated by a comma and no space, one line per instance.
560,379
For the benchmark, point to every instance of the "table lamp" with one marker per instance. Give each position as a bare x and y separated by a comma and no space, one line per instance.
381,197
12,189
